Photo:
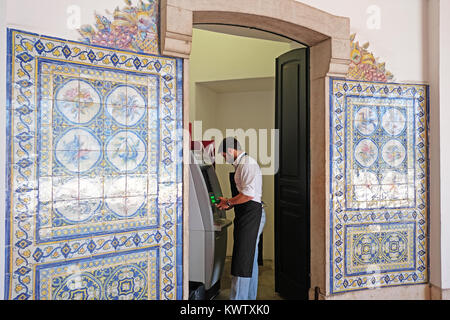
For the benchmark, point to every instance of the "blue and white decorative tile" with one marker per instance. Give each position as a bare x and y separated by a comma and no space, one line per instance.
115,277
379,247
86,172
379,185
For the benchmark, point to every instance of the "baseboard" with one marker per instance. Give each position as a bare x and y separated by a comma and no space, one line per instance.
438,293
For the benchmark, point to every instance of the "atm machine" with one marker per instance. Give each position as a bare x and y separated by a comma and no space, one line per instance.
208,228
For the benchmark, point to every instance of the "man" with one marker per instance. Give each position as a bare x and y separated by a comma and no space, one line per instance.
249,219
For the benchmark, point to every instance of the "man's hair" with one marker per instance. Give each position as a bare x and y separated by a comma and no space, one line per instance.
229,142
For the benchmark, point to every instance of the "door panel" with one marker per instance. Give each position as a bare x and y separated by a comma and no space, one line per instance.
292,244
290,121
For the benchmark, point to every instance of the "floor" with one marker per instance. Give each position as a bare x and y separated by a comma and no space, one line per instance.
266,284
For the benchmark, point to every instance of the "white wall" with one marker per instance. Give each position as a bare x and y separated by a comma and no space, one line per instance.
217,56
249,110
401,40
51,17
205,102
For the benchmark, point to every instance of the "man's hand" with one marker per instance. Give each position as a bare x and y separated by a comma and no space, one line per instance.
223,204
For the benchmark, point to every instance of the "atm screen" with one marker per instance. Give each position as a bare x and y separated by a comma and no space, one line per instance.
211,194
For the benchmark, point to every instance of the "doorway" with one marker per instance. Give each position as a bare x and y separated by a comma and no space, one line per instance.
328,37
235,83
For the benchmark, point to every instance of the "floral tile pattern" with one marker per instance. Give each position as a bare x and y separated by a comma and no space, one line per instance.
364,66
132,27
379,185
94,172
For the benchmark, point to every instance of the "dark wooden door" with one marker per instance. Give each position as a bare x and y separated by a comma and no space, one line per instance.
292,235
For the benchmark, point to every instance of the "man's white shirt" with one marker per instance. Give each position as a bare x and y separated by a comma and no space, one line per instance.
248,177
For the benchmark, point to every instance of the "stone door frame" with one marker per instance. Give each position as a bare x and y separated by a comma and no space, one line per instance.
328,38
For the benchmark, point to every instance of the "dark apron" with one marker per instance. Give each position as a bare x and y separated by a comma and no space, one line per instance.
246,226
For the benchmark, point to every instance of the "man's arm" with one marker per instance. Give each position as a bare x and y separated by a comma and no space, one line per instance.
248,175
226,204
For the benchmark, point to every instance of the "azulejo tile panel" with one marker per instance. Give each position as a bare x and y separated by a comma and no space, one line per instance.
94,172
378,185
